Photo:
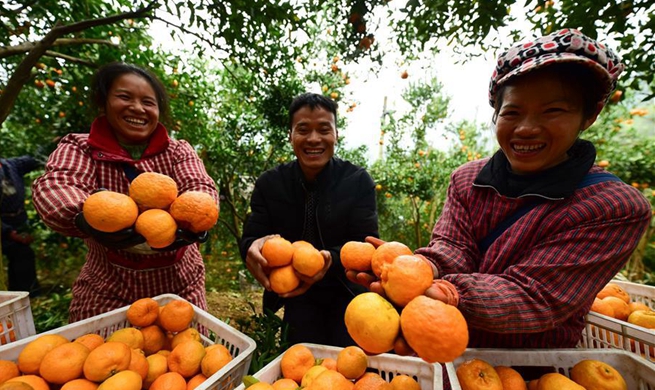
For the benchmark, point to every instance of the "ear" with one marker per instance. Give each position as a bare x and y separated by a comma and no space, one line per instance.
590,121
290,130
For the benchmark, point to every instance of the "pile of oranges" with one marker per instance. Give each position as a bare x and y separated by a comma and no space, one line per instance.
478,374
285,259
301,369
153,208
429,328
159,351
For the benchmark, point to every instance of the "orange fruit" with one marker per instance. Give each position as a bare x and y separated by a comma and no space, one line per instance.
64,363
185,358
157,366
634,306
357,255
307,261
405,278
352,362
29,359
533,384
556,381
8,370
436,331
90,340
15,386
110,211
310,375
260,386
143,312
80,384
329,363
157,226
371,381
139,363
164,352
510,378
296,361
602,307
278,251
405,382
478,374
216,357
597,375
195,211
331,380
614,290
36,382
299,243
284,384
106,360
124,380
185,335
372,322
283,279
176,315
385,253
169,381
644,318
154,339
620,307
152,190
130,336
400,347
196,381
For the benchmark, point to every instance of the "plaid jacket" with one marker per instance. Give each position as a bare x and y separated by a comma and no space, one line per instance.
83,163
535,283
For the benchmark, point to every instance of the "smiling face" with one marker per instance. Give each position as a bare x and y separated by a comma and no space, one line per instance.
132,109
538,120
313,136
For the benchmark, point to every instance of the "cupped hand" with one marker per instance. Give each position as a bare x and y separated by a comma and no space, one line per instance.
256,263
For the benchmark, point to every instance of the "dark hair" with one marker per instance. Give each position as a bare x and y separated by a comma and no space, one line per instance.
577,77
105,76
312,100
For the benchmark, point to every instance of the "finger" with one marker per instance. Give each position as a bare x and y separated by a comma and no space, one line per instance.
366,278
374,240
298,291
376,287
258,273
352,276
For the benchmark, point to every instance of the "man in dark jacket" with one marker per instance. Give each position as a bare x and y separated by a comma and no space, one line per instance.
319,199
15,237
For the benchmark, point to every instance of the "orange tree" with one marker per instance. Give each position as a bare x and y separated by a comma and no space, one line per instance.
413,175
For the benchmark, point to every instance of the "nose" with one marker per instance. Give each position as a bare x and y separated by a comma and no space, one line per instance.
137,106
313,136
528,126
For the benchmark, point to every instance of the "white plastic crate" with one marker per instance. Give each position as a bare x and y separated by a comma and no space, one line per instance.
16,321
212,330
429,376
602,331
639,374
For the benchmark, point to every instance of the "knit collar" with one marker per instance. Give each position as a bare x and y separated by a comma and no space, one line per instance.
557,182
102,139
320,177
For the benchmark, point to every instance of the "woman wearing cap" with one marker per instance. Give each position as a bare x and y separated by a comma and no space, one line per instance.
529,236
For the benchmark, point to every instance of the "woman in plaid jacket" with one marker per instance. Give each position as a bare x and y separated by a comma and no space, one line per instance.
529,236
126,139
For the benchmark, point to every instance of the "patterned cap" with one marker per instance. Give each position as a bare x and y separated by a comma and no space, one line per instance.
567,45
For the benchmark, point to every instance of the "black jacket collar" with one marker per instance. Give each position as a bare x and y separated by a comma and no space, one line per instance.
555,183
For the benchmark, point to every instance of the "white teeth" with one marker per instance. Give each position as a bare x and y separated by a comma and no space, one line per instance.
313,151
135,121
527,148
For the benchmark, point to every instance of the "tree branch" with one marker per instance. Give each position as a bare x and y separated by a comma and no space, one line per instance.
22,73
9,51
72,59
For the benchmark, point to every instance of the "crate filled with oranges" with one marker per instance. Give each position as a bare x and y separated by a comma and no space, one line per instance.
16,321
556,369
313,366
622,317
156,343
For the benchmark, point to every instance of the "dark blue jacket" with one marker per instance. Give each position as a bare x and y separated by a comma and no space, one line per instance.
12,198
